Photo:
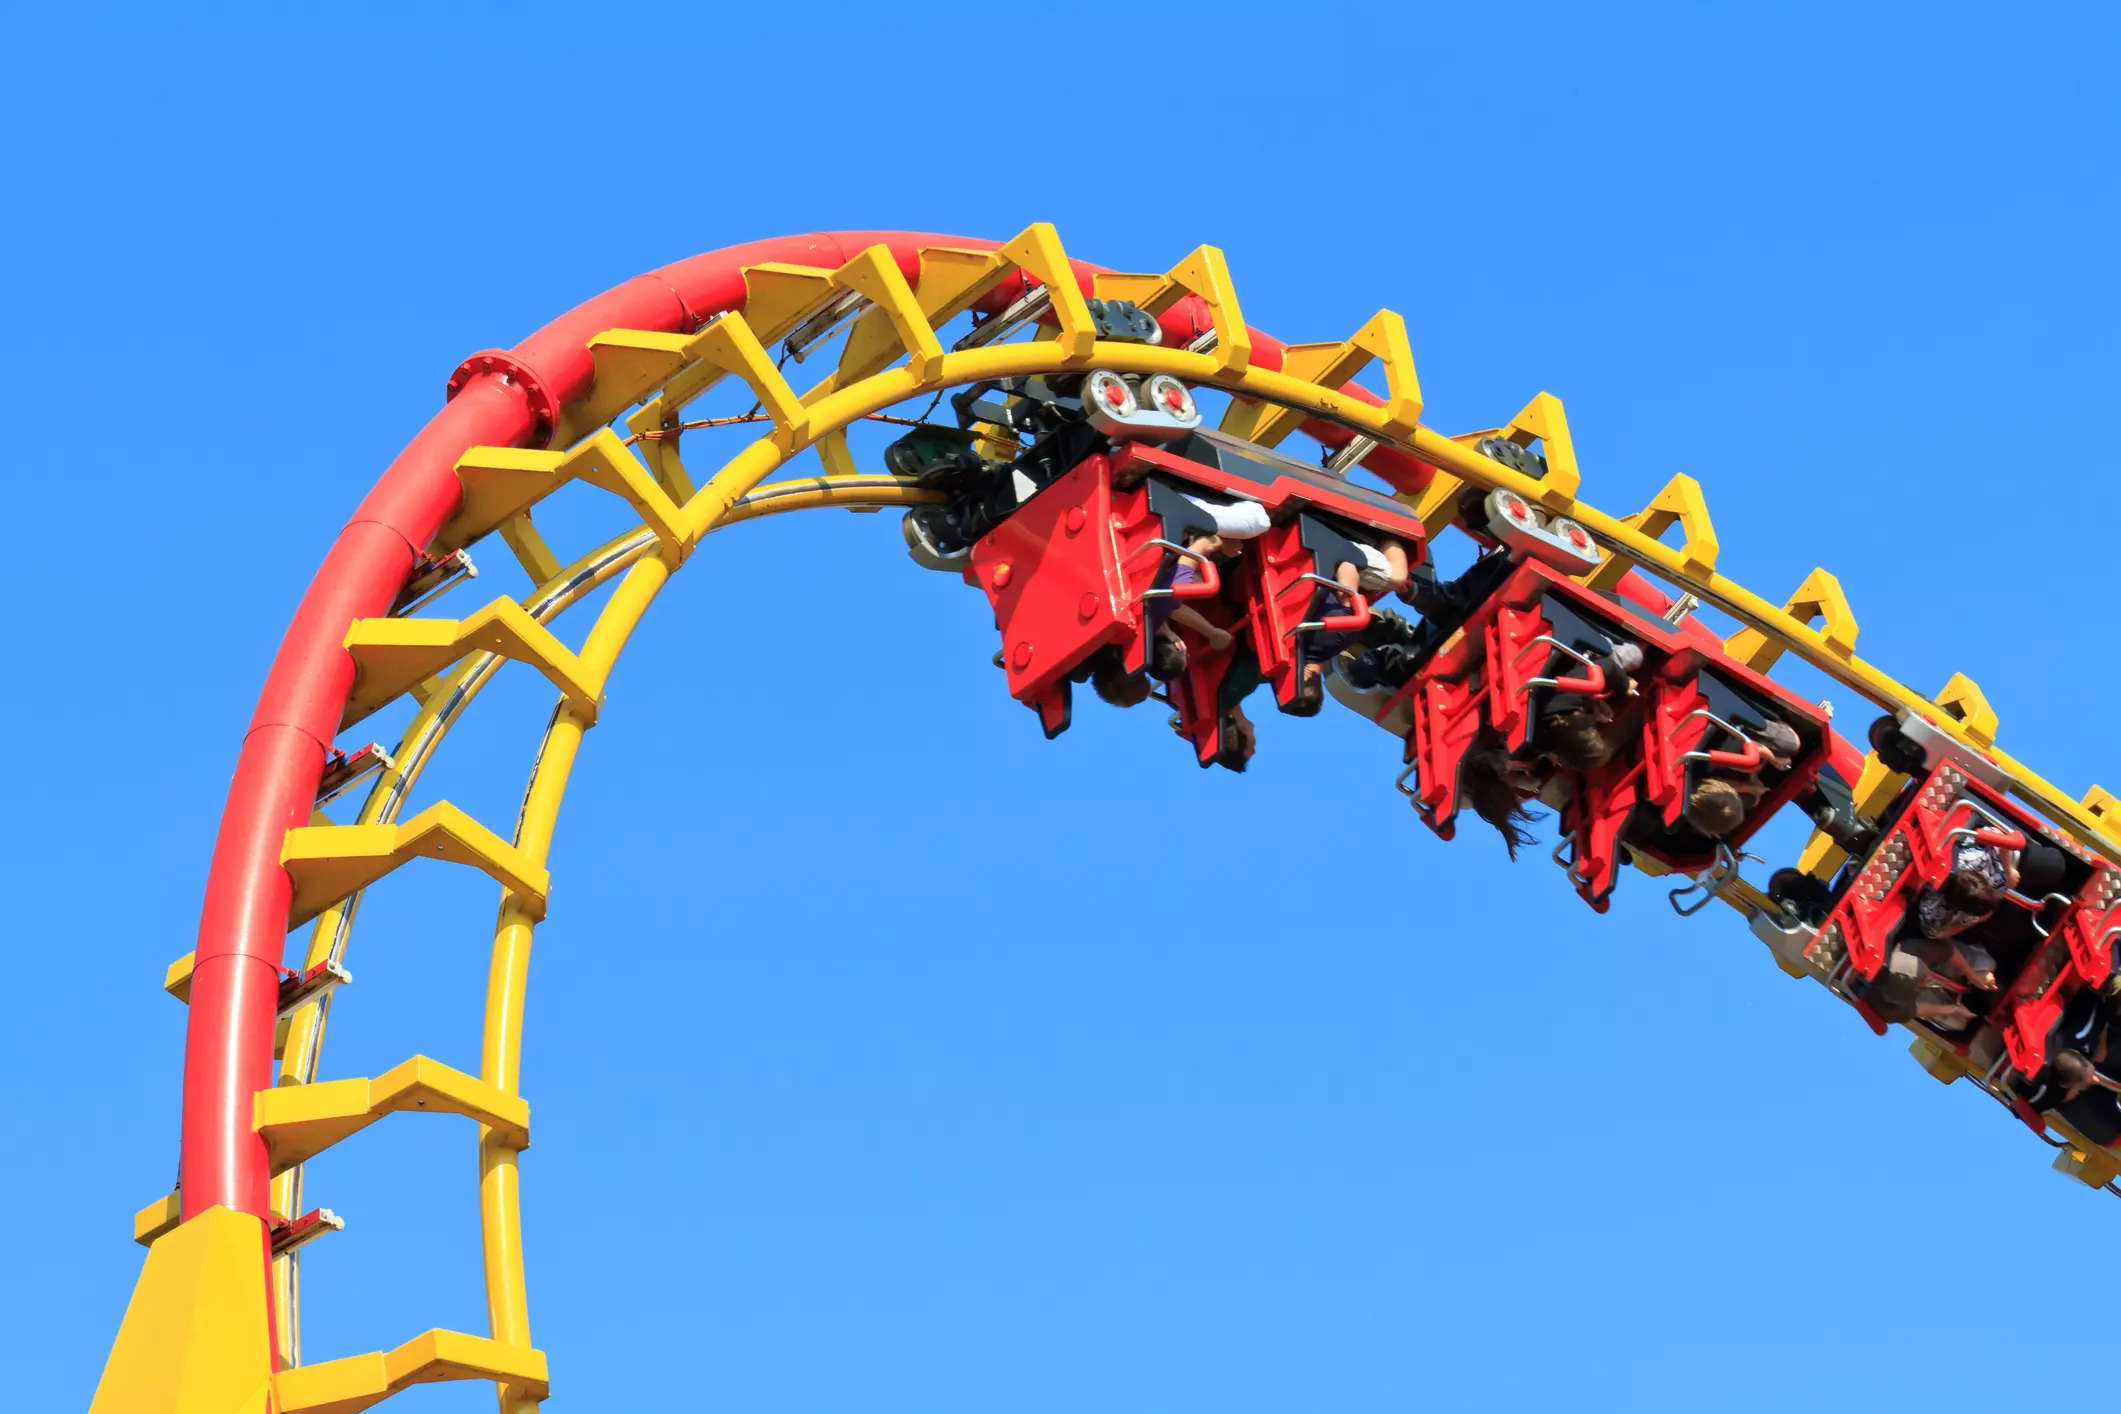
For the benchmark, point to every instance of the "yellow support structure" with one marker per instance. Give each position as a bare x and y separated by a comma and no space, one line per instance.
2102,805
604,462
331,862
1942,1063
499,483
1334,366
1039,254
1679,503
1205,273
1963,702
299,1122
391,655
1819,597
952,280
2088,1164
194,1336
529,548
176,978
362,1381
728,344
778,296
159,1217
1542,420
1134,288
894,323
631,364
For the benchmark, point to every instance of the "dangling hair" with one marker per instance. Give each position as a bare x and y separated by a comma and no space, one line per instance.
1493,799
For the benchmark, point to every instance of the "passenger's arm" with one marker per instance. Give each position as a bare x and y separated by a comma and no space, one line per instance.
1190,618
1349,579
1396,568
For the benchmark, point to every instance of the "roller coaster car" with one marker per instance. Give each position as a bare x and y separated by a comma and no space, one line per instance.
1539,633
2076,923
1071,571
1700,714
1073,568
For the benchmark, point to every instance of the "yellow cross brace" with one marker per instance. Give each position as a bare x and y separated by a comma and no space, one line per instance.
331,862
362,1381
299,1122
391,655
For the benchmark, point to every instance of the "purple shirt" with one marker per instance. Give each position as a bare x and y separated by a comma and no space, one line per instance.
1160,607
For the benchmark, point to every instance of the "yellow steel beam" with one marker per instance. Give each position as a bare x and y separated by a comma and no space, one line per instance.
1117,284
893,324
728,343
193,1338
162,1215
362,1381
176,978
298,1122
1963,702
498,483
529,547
330,862
1543,420
1205,273
1334,365
1680,503
778,296
630,364
1039,254
1819,597
391,655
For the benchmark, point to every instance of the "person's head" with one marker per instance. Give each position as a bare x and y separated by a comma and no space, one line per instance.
1484,786
1167,656
1715,808
1576,739
1971,890
1113,683
2072,1072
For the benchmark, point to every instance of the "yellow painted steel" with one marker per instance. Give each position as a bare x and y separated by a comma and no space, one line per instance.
329,862
1544,421
298,1122
501,486
193,1338
1819,597
391,655
157,1218
362,1381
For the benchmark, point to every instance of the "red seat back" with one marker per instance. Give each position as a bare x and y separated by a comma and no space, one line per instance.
1065,575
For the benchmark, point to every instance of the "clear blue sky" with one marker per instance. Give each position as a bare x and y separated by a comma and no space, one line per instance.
885,1056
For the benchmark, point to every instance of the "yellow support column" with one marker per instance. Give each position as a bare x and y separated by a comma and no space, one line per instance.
195,1339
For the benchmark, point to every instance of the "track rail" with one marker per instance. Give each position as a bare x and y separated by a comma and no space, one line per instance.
659,342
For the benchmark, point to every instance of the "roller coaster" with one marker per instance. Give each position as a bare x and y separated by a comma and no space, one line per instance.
1117,540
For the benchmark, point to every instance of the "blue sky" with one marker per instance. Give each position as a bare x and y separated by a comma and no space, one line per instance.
884,1055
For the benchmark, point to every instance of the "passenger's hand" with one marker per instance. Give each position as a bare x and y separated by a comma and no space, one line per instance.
1220,639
